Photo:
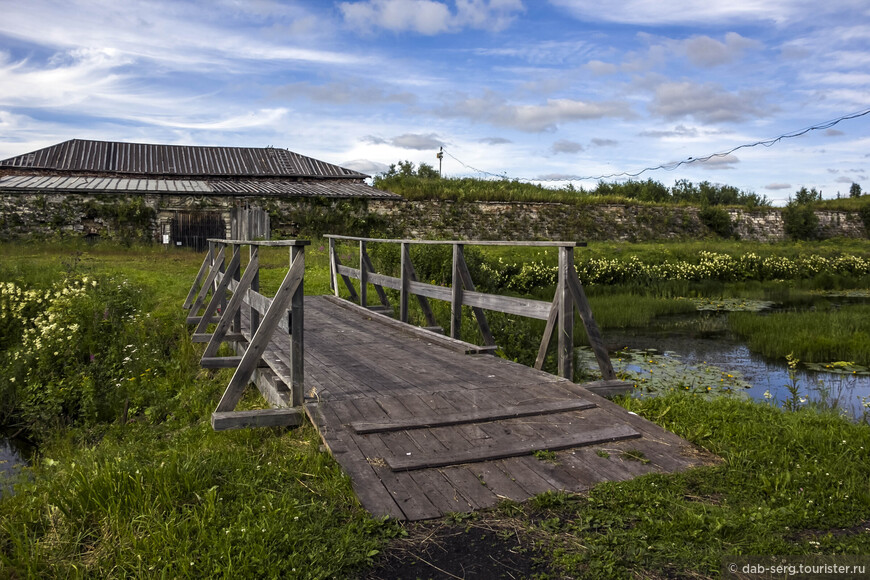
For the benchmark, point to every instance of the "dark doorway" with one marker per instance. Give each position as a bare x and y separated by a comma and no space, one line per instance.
193,229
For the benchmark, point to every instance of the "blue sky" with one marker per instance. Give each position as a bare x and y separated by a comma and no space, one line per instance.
544,89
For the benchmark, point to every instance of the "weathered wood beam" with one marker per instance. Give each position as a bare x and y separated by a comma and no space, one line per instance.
513,448
222,421
217,297
479,314
259,341
592,331
475,416
234,306
565,316
548,332
456,295
207,284
374,279
188,302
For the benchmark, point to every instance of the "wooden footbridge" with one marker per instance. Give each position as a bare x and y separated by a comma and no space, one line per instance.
424,423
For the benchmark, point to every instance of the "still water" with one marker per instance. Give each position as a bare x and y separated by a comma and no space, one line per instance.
765,376
13,456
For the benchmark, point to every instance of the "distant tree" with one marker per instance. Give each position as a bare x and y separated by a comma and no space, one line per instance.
855,190
806,196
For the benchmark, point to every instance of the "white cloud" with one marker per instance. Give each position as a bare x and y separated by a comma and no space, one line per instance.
366,166
657,13
417,141
429,17
352,91
720,162
604,142
708,103
495,110
566,146
777,186
704,51
495,141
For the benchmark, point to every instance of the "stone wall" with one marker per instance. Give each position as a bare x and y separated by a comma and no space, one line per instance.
150,217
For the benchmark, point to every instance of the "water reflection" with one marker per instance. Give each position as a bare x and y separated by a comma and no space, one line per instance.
764,376
13,456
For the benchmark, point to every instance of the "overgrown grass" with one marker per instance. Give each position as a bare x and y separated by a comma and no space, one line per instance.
790,483
150,490
823,335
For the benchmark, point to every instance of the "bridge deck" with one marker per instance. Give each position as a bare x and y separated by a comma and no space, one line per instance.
424,430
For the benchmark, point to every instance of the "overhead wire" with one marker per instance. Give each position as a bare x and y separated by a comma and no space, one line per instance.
671,166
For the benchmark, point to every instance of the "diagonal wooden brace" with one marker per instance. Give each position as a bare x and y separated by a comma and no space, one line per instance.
217,297
233,306
251,359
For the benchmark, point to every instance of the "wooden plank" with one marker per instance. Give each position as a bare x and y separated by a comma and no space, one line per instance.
297,337
363,275
507,449
468,283
527,307
565,317
260,340
256,418
592,331
447,342
207,284
474,416
430,290
456,296
375,280
233,307
548,332
404,289
610,388
188,302
367,484
229,337
532,244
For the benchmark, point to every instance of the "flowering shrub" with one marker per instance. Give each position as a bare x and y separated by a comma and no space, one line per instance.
710,266
69,353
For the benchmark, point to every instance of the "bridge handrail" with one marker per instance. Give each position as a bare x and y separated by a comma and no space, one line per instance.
462,292
220,273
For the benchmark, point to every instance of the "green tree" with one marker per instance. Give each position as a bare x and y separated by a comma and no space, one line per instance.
855,190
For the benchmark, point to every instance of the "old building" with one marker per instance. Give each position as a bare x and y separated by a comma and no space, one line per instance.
176,194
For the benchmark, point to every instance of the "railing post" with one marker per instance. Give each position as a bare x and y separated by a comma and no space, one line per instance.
254,260
406,282
297,350
333,267
237,275
566,315
456,295
363,276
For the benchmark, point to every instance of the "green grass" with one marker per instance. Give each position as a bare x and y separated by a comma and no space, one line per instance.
823,335
164,496
789,483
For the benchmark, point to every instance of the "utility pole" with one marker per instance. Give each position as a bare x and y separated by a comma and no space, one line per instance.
440,156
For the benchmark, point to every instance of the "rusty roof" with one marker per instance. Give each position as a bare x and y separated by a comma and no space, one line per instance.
343,188
95,157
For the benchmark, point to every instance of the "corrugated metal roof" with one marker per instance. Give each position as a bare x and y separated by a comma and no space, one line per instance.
267,187
79,155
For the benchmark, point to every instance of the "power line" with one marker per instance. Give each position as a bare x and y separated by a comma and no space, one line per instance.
674,164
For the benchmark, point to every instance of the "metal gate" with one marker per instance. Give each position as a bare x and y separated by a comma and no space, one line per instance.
193,229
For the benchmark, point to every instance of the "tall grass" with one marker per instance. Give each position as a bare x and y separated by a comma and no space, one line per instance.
812,336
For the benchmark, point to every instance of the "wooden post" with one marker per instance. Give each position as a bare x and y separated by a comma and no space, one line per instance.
592,331
297,350
236,276
406,280
254,262
456,295
363,276
566,315
333,267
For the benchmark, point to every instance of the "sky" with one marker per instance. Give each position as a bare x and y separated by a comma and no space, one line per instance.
552,91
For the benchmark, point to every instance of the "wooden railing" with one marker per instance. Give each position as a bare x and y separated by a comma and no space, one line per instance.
559,313
280,378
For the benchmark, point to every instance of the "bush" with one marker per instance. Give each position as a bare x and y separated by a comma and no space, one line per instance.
800,221
718,220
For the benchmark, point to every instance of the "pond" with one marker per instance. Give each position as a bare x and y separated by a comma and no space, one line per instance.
14,454
679,348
